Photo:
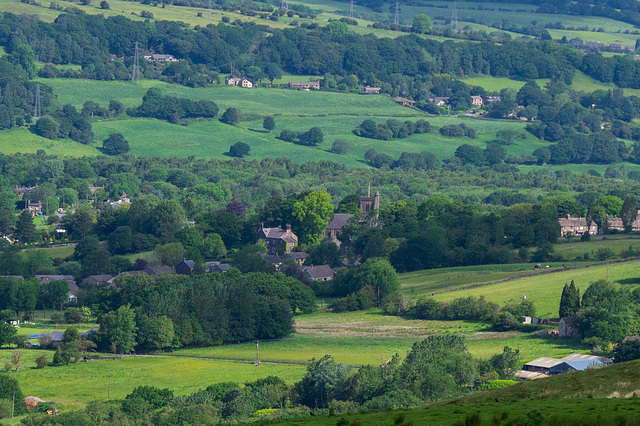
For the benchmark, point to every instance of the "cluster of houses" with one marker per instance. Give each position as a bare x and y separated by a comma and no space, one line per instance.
476,101
281,242
578,226
576,42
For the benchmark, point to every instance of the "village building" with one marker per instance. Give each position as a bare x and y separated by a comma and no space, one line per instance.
576,226
217,267
98,279
304,85
439,100
476,100
370,204
318,273
299,257
334,228
185,267
278,240
240,82
489,99
405,102
368,90
73,287
156,57
566,329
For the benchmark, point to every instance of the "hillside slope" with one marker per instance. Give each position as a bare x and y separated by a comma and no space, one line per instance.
598,397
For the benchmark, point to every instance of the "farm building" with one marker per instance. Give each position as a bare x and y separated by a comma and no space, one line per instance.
573,362
304,85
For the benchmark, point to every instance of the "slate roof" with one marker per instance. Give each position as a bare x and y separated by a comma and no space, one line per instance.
274,232
157,270
339,220
298,255
99,278
319,272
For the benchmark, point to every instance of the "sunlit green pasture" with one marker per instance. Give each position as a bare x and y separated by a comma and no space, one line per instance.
545,289
88,381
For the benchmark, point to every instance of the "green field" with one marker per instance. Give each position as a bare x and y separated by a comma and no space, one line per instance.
545,290
88,381
337,114
60,252
449,279
21,140
574,248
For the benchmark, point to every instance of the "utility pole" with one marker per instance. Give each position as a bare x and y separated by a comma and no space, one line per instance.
37,112
136,65
454,17
396,15
257,353
351,8
209,13
109,394
13,404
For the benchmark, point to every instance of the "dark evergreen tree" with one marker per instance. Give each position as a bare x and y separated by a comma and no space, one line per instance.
569,301
25,228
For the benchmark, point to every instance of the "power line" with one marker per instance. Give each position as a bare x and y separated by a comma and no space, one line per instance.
136,64
37,111
396,16
454,17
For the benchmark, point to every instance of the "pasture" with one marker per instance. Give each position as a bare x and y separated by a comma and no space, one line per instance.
87,381
337,114
545,290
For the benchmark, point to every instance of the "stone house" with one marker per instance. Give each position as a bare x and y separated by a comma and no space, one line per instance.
304,85
576,226
278,240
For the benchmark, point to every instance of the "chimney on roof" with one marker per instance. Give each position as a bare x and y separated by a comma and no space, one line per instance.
568,216
288,227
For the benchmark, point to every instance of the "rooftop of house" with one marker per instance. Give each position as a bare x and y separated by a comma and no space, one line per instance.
339,220
298,255
189,263
319,272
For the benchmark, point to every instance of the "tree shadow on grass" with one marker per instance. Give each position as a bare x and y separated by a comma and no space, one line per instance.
635,280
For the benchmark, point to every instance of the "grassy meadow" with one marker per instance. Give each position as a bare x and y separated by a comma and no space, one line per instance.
182,375
545,290
337,114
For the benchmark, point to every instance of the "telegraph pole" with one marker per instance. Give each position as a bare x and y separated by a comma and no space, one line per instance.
109,394
257,353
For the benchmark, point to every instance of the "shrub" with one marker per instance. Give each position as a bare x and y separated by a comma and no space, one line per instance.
42,361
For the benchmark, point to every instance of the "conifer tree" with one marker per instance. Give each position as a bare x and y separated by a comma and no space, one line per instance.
569,301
